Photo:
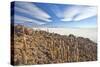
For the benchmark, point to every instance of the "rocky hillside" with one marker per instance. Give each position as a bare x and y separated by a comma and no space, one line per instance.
30,46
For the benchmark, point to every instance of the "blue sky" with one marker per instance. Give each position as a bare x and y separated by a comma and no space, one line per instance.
54,15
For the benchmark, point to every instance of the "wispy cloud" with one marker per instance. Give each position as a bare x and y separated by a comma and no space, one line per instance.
77,13
56,10
86,13
32,10
70,12
54,15
23,19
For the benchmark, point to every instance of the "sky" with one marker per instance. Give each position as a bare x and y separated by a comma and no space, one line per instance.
49,15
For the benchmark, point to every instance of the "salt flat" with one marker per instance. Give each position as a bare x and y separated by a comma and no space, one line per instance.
90,33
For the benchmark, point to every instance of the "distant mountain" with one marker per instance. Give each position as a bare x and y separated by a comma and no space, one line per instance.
30,46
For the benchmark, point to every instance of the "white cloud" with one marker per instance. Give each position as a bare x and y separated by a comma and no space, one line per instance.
22,18
25,19
67,19
70,12
32,10
86,13
77,13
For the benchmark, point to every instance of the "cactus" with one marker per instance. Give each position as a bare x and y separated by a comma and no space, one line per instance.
42,47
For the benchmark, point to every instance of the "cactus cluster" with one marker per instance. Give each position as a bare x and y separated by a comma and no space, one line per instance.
29,46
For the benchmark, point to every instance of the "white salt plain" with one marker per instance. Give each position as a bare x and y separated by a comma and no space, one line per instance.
90,33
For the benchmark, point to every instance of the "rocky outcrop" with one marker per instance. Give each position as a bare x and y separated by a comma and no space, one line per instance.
31,46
